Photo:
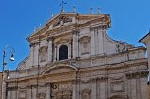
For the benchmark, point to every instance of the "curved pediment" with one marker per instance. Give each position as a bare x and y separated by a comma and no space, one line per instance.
59,68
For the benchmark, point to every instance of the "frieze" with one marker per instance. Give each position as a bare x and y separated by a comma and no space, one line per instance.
98,27
32,86
116,77
90,80
136,74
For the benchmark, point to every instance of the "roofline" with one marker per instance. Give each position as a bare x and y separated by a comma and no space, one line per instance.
148,34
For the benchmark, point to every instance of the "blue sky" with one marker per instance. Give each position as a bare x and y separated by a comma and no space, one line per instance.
18,18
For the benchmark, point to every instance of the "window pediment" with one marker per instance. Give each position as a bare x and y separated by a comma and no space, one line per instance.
59,68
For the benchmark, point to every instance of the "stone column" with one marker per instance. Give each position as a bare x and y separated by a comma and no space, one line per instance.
75,44
48,92
69,51
133,88
36,54
34,94
100,41
74,93
96,40
9,95
29,92
94,91
92,41
13,95
144,88
103,90
32,53
55,51
129,88
49,49
138,89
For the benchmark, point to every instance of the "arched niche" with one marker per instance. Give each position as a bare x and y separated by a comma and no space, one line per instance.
84,43
43,54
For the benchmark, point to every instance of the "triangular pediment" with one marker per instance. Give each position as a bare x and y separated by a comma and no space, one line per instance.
59,68
61,19
66,21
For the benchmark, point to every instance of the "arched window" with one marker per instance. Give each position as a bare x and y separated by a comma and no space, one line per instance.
63,52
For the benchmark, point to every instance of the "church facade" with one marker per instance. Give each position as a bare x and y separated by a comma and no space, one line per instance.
72,57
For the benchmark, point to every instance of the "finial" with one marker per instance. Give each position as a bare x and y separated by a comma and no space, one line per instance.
99,10
91,10
52,15
62,6
34,29
74,9
40,25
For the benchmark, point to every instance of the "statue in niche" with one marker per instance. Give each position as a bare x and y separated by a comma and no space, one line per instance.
43,54
85,94
85,45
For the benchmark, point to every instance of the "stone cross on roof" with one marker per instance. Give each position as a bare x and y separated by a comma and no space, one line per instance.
62,6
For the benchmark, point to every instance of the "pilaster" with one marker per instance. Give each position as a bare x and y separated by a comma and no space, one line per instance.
9,95
75,44
32,45
94,87
92,41
36,53
50,49
34,93
55,51
48,91
29,92
74,93
100,41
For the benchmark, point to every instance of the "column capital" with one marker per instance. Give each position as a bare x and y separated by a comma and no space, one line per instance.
75,32
32,44
50,38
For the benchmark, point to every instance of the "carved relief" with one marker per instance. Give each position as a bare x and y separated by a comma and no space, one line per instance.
62,20
84,45
120,47
43,54
117,86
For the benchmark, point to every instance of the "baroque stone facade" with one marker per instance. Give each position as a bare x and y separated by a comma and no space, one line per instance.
72,57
